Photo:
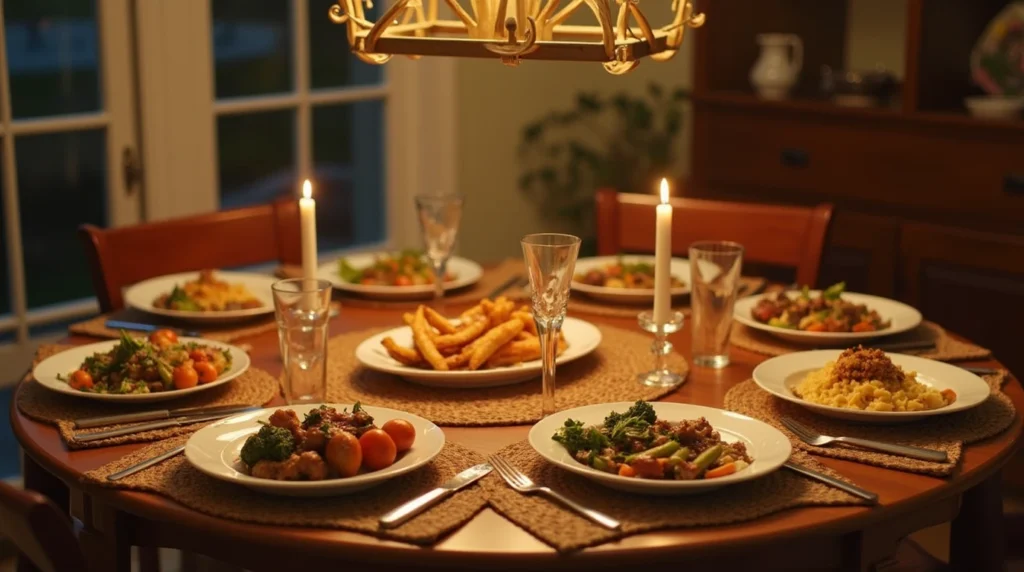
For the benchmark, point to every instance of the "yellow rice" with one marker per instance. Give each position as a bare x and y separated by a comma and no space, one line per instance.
871,395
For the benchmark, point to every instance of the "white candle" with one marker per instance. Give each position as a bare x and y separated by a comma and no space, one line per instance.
307,217
663,260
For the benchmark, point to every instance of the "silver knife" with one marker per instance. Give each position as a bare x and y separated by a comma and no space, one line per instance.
430,498
903,346
145,464
87,437
157,414
140,327
505,286
831,481
982,370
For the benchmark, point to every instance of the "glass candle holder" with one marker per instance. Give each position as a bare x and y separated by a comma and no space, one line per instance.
661,375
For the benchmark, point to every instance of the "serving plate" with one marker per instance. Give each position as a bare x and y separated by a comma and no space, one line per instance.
69,360
466,273
767,446
142,294
581,336
781,374
215,449
902,316
680,269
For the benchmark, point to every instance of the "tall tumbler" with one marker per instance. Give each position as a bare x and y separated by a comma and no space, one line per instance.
715,275
302,308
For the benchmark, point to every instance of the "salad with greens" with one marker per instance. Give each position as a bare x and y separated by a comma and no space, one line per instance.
405,268
825,312
637,275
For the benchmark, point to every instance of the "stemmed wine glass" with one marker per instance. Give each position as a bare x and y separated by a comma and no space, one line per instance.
439,222
550,261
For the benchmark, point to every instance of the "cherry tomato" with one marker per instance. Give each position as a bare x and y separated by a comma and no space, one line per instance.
379,450
205,371
81,380
368,281
403,280
401,432
185,376
198,355
344,454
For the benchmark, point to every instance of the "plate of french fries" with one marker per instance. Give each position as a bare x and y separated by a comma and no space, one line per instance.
493,343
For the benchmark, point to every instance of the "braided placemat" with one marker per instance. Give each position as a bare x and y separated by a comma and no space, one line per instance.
565,530
178,480
224,332
491,279
946,348
947,433
583,304
254,387
607,375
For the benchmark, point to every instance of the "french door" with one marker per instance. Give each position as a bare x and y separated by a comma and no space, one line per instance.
67,127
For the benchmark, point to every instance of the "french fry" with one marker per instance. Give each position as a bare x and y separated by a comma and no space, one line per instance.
438,321
490,342
502,311
408,318
403,355
462,336
515,352
472,313
527,318
457,361
421,337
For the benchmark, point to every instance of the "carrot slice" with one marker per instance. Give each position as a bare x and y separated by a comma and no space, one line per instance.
726,469
626,471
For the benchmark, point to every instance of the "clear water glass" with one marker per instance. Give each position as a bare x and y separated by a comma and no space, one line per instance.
302,307
715,269
550,262
439,217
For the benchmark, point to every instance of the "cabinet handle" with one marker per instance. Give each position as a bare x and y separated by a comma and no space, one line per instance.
1013,184
795,158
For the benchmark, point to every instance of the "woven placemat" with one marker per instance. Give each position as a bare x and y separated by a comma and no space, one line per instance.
946,348
254,387
565,530
583,304
607,375
179,481
228,332
947,433
491,280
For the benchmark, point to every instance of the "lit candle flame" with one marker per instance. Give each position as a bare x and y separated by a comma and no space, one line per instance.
307,190
664,191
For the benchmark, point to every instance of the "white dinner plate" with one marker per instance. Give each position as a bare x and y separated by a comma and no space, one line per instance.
215,450
465,273
680,269
69,360
767,446
781,374
582,338
902,317
142,294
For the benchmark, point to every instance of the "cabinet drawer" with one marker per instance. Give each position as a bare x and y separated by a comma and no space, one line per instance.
895,162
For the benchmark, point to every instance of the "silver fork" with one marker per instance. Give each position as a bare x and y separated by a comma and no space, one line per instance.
523,484
807,435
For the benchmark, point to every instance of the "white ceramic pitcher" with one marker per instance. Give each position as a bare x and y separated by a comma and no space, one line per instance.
776,71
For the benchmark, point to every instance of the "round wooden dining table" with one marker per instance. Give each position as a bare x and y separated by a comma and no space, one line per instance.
817,538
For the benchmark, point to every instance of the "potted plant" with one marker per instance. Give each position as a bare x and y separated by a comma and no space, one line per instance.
625,142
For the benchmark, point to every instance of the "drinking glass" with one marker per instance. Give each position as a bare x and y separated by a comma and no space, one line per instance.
302,308
439,222
550,260
715,277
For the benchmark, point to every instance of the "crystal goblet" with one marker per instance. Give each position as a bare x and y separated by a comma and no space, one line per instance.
439,217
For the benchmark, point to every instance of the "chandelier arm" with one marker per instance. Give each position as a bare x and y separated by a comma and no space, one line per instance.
564,13
521,15
622,23
645,26
499,18
337,14
604,18
545,13
421,16
620,68
432,11
382,24
461,13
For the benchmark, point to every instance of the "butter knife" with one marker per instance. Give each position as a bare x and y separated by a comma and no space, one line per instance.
831,481
88,437
903,346
145,464
140,327
430,498
156,415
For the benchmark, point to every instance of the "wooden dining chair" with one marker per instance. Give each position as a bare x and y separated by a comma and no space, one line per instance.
776,235
39,530
122,256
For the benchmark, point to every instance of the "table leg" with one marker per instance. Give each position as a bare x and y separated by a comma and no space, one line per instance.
38,479
105,537
978,537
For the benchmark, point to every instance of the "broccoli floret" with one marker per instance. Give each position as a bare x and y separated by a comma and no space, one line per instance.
270,444
635,423
575,437
641,410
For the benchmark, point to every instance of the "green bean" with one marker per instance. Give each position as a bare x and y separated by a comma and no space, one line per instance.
664,450
707,458
679,456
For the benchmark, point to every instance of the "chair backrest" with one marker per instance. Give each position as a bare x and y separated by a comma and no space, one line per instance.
40,531
122,256
778,235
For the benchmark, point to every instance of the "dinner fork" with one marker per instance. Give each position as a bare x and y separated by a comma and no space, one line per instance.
523,484
807,435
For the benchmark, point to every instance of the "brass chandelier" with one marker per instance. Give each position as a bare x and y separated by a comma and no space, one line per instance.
514,30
